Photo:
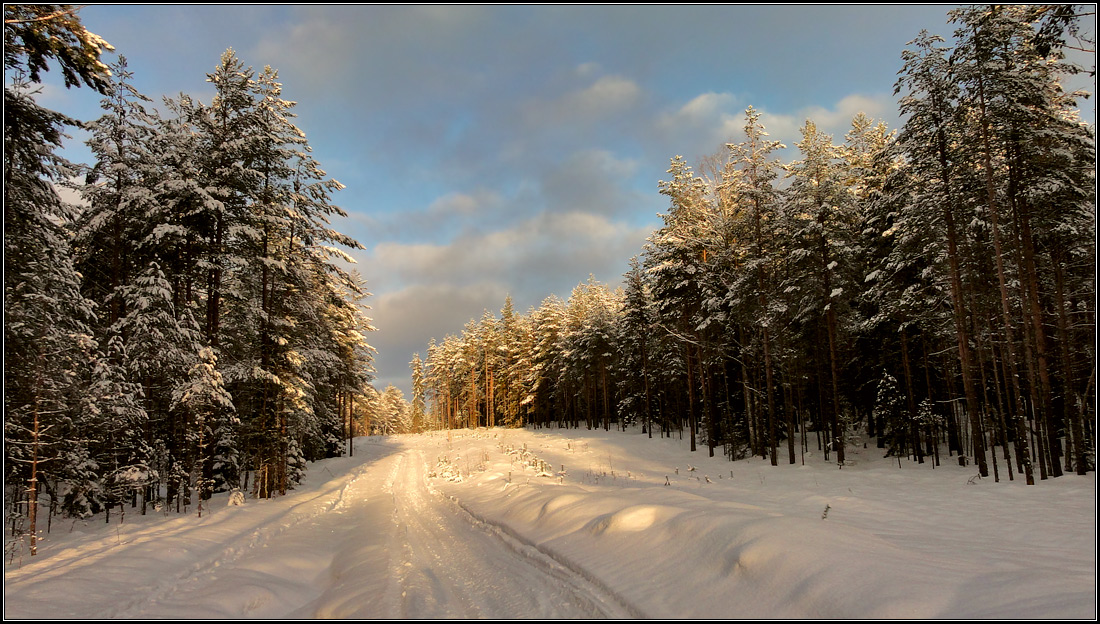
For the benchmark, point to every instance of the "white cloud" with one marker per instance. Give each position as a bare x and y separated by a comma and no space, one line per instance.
454,203
836,121
464,204
536,252
380,56
703,109
587,70
702,125
607,96
709,120
315,48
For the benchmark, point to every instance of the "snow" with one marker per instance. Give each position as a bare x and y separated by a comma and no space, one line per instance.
555,523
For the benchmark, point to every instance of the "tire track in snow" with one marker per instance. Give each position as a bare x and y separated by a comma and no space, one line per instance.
256,538
499,574
615,606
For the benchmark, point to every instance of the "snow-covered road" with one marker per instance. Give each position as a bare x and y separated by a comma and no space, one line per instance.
554,524
373,542
445,563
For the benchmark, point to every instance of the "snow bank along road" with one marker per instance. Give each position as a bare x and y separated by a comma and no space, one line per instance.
586,524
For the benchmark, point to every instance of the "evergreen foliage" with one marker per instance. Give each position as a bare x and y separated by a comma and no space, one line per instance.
191,328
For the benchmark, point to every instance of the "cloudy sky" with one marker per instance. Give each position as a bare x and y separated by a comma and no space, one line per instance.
496,150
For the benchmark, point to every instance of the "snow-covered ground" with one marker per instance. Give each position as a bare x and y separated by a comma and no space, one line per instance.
582,524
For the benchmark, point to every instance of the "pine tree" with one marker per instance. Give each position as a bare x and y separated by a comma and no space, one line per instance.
929,139
635,340
888,409
1037,165
113,410
418,416
760,200
821,223
546,372
901,257
392,415
37,34
674,257
210,415
47,338
111,233
510,350
163,345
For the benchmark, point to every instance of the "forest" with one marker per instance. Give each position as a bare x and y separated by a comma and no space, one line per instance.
191,327
190,324
931,287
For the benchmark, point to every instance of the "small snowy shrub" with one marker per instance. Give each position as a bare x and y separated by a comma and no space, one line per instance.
236,498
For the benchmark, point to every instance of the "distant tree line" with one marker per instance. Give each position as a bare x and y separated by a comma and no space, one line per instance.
187,328
928,287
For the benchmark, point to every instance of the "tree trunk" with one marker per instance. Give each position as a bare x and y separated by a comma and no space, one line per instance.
690,395
1079,450
909,399
32,483
961,334
1038,334
645,382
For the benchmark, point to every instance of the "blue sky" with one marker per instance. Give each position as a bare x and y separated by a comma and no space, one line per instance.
495,150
